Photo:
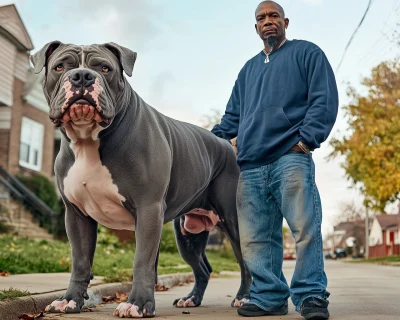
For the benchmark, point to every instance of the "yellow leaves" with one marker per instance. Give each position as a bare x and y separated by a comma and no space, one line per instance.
372,152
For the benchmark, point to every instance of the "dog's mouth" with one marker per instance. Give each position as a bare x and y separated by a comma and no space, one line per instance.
81,110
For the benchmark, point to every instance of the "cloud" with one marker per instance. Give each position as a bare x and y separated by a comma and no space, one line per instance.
131,23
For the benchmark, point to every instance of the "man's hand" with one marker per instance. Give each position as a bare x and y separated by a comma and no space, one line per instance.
233,143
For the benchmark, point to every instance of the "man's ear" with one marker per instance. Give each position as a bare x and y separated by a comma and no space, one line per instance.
125,56
40,58
286,23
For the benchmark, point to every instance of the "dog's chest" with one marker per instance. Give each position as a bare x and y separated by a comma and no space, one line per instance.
90,187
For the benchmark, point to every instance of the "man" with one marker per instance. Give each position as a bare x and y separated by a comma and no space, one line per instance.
283,106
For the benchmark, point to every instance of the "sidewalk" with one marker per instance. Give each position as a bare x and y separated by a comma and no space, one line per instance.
358,292
45,288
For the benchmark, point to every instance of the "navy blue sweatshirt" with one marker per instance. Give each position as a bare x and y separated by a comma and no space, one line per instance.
273,106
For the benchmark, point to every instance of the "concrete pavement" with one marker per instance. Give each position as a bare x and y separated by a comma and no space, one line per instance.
358,292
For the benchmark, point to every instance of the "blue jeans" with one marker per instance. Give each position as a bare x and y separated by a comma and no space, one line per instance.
286,189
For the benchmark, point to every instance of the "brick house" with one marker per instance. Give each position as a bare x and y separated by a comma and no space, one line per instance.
384,238
26,134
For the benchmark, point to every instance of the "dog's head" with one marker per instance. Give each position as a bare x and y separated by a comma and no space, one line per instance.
84,85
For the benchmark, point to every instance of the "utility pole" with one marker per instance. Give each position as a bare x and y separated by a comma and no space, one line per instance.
366,253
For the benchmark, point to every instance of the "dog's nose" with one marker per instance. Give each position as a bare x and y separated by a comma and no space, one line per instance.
82,77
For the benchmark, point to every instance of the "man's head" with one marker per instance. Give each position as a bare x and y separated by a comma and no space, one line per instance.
83,84
271,22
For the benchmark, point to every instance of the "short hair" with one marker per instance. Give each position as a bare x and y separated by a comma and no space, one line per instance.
273,2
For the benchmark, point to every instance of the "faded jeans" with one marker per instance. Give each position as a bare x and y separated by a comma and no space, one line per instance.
286,189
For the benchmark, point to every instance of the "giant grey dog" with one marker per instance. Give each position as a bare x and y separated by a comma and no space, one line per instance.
126,166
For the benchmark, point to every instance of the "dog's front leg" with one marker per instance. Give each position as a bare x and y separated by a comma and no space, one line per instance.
149,222
82,236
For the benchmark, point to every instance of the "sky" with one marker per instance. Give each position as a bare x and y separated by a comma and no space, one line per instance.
190,53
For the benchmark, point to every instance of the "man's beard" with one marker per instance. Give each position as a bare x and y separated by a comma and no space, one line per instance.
272,41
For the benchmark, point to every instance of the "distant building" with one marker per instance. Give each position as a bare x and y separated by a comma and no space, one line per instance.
349,232
384,238
26,134
27,137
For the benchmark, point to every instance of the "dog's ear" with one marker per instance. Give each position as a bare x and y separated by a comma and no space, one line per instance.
40,58
125,56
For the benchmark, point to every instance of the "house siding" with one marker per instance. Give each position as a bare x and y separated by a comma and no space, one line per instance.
7,55
21,66
375,236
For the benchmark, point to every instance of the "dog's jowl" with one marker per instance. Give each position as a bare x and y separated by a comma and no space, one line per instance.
126,166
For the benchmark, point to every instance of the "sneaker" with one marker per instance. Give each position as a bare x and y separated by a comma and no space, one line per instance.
314,308
251,310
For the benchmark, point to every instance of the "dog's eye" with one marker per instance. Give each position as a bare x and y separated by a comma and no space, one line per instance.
59,68
105,69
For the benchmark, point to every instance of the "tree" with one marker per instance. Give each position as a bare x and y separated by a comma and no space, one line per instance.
350,212
372,151
210,120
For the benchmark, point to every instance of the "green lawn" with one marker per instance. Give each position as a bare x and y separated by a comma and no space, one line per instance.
12,294
393,260
21,255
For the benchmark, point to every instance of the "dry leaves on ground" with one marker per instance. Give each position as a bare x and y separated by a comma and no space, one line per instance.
30,316
121,296
4,274
160,287
108,299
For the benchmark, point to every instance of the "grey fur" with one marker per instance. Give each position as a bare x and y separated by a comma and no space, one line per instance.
163,168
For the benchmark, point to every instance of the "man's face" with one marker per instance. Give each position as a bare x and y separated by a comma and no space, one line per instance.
270,21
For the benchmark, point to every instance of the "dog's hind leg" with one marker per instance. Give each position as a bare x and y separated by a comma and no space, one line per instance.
192,249
222,197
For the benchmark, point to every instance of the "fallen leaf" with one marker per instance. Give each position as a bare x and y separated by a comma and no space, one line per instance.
108,298
87,309
121,297
4,274
160,287
30,316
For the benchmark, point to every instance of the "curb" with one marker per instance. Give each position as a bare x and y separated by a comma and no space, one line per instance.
10,310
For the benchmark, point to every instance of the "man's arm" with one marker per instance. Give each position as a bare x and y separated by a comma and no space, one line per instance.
322,99
228,128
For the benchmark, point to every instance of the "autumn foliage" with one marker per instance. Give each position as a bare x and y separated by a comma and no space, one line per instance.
372,150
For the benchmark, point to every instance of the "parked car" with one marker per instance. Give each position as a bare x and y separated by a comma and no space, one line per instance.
289,256
340,253
328,255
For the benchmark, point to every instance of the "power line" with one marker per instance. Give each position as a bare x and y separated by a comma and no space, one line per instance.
354,33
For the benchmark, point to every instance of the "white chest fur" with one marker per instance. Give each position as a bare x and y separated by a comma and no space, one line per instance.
90,187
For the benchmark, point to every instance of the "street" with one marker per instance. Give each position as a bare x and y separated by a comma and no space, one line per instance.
358,291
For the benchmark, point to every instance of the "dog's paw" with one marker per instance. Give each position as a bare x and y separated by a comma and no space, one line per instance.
130,310
238,302
190,301
63,306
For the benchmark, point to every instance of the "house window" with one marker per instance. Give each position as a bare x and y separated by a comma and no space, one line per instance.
31,144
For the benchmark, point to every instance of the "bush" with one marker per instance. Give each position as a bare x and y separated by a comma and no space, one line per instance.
4,228
106,238
168,243
45,190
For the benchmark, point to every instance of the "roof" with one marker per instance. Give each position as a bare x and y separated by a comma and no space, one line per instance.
13,28
389,221
348,225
